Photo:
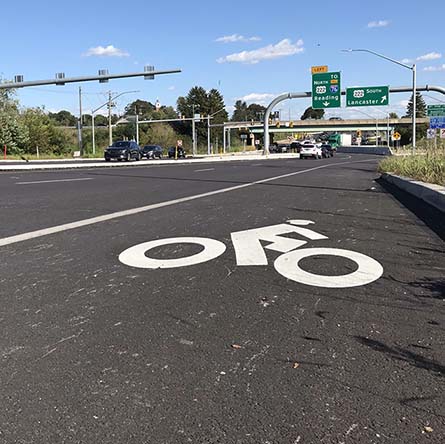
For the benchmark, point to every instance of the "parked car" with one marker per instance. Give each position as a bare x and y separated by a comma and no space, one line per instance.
295,147
172,152
310,151
327,150
123,150
282,148
152,151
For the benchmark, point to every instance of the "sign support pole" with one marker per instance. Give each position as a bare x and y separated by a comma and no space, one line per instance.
414,106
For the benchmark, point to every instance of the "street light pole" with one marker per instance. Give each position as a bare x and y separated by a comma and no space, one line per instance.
80,122
414,105
412,68
193,131
208,135
92,133
208,127
137,129
110,130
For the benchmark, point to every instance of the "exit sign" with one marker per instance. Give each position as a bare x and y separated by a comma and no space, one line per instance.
326,90
367,96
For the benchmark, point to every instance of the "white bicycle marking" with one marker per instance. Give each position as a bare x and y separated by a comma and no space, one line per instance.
249,251
369,270
248,248
135,256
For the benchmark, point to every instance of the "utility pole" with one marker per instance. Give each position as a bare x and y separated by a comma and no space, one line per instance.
208,135
193,131
80,122
110,129
92,132
414,69
137,128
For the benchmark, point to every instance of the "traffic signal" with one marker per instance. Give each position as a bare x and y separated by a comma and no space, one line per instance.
291,124
359,133
278,124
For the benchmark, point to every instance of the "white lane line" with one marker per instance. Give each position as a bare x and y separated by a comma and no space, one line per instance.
95,220
52,181
205,169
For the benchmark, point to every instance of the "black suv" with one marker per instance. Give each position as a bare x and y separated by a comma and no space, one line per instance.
152,151
123,150
172,152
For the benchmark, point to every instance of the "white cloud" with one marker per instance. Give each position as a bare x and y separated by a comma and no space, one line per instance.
171,88
378,24
106,51
281,49
435,68
257,97
237,38
403,103
430,56
406,61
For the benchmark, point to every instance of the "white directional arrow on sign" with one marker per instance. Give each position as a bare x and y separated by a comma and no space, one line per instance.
384,98
326,103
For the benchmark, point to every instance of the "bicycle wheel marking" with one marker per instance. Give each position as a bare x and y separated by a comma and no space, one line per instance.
135,256
369,270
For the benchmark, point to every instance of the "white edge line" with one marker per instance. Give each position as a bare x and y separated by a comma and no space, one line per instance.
205,169
52,181
94,220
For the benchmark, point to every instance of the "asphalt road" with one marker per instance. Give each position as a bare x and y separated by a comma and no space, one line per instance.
224,351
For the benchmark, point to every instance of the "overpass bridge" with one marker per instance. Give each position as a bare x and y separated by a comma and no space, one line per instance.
316,126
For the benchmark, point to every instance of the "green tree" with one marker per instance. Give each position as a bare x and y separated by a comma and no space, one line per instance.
100,120
256,111
420,106
240,112
159,134
43,134
199,101
87,120
421,111
13,133
63,118
140,107
311,113
38,124
393,116
244,113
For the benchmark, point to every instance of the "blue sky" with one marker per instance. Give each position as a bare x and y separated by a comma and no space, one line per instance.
264,48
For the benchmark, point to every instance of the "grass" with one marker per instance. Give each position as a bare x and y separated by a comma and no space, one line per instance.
34,156
428,165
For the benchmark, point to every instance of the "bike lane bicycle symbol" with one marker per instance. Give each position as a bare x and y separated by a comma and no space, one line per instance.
250,251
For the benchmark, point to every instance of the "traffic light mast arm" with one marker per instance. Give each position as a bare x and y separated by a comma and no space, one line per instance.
308,94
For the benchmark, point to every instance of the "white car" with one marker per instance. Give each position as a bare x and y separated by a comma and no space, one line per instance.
310,151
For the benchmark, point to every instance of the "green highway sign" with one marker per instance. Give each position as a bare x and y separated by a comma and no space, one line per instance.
326,90
367,96
436,110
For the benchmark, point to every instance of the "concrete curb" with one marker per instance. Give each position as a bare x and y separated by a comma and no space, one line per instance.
102,164
378,150
432,194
